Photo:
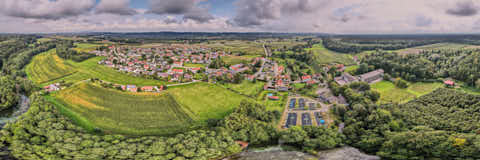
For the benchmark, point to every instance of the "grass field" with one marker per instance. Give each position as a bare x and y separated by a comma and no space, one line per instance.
86,47
43,71
390,93
194,65
247,88
175,110
205,100
232,60
48,66
272,105
325,56
237,46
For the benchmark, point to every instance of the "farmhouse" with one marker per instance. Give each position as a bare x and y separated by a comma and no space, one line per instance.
52,87
131,88
372,77
345,78
148,88
449,83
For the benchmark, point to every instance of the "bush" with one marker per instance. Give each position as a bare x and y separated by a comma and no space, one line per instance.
400,83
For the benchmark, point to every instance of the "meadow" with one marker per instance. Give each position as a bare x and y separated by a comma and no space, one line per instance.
232,60
325,56
247,88
48,66
390,93
86,47
237,46
206,101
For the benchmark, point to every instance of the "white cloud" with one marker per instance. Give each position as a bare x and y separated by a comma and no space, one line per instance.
120,7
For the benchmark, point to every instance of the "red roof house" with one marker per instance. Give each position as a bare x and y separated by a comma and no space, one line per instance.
449,83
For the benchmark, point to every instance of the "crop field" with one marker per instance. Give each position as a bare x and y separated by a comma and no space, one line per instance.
247,88
123,112
390,93
325,56
48,66
43,70
194,65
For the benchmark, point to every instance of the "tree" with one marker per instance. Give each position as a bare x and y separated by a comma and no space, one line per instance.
477,83
8,95
400,83
362,68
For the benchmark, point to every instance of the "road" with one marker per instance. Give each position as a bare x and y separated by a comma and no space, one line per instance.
179,84
263,61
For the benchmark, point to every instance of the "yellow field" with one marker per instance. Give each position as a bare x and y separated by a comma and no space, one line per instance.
47,67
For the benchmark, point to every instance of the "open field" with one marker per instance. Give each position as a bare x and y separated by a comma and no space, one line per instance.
325,56
178,109
43,71
232,60
272,105
205,101
48,66
237,46
390,93
86,47
247,88
123,112
194,65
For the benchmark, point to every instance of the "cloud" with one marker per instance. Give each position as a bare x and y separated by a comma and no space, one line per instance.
120,7
258,12
190,9
45,9
422,21
463,8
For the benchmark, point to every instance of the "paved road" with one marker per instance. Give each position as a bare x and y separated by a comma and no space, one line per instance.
179,84
263,61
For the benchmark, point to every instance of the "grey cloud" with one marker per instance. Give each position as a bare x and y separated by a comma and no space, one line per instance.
463,8
120,7
422,21
254,13
190,9
45,9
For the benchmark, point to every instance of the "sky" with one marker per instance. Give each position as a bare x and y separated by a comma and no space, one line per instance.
311,16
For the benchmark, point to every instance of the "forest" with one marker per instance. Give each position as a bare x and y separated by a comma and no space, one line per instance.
65,51
422,129
15,54
357,46
463,65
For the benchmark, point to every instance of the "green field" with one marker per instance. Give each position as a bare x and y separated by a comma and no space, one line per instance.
232,60
325,56
247,88
272,105
177,109
86,47
390,93
237,46
43,71
194,65
48,66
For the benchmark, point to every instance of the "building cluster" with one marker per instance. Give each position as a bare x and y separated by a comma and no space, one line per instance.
370,77
165,62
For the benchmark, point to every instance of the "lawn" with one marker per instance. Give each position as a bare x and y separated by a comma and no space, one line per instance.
48,66
176,110
272,105
325,56
390,93
351,69
247,88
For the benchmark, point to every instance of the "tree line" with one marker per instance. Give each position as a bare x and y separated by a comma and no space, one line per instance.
358,46
463,65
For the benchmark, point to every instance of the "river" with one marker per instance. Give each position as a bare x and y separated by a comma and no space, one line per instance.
12,114
276,153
